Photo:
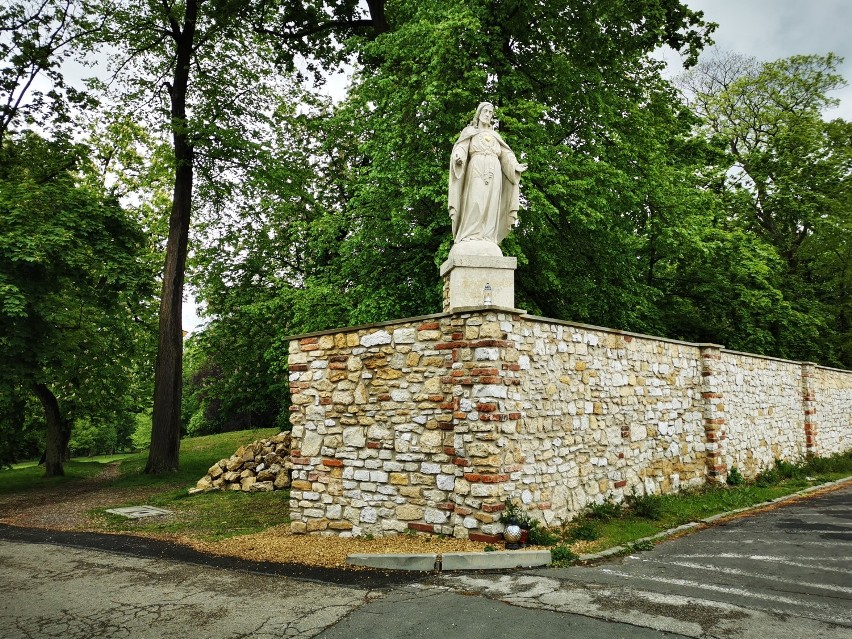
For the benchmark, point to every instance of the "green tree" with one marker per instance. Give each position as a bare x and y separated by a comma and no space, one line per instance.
214,59
36,37
577,96
785,179
75,282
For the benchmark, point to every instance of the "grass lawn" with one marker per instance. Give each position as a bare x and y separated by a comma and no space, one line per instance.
207,516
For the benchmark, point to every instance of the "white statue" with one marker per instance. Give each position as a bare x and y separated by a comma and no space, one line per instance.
484,182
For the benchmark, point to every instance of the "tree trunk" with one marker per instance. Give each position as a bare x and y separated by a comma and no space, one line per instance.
163,455
58,432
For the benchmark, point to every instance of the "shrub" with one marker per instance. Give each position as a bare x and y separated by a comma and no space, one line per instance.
583,530
788,470
541,536
604,511
520,516
645,506
562,555
735,478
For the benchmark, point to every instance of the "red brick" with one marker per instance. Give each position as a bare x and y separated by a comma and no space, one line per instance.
484,371
712,395
490,380
489,343
300,461
494,479
544,505
458,335
332,462
515,415
373,444
446,426
449,450
429,326
443,346
308,340
310,347
488,539
295,453
473,477
325,401
384,397
621,483
447,505
421,527
436,398
486,408
460,415
493,508
297,368
461,461
463,511
337,366
448,406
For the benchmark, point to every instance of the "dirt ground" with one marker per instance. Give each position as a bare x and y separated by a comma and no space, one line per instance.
65,508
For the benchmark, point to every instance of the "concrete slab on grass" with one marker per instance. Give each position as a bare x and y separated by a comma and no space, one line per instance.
423,562
138,512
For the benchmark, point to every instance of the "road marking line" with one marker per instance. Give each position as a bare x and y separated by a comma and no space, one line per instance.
724,589
743,573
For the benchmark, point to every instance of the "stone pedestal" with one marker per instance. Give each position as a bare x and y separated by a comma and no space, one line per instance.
469,268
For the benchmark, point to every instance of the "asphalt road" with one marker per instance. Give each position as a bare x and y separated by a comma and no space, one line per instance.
786,573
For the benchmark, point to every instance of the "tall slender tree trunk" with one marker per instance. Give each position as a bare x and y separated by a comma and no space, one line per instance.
58,432
163,455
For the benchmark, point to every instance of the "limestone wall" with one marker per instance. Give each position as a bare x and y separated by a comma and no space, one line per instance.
833,411
603,412
430,423
763,411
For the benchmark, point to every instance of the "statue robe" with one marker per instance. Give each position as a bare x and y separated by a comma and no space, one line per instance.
484,187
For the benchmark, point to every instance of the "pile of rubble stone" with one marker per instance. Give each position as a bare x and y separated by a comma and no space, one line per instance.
261,466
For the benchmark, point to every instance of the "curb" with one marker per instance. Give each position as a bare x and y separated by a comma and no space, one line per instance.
449,561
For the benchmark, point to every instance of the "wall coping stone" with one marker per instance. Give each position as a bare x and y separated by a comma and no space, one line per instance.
548,320
782,360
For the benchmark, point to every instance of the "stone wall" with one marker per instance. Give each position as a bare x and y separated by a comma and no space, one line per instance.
764,416
430,423
832,411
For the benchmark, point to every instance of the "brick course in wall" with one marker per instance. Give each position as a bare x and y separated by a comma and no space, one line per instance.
430,423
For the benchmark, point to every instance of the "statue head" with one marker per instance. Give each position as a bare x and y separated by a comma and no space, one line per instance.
479,109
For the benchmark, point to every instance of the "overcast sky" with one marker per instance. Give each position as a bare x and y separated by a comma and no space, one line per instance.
775,29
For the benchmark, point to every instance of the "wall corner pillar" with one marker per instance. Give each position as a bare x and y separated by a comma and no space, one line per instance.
713,412
809,408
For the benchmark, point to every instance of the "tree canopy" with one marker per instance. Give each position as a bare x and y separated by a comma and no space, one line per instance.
714,209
